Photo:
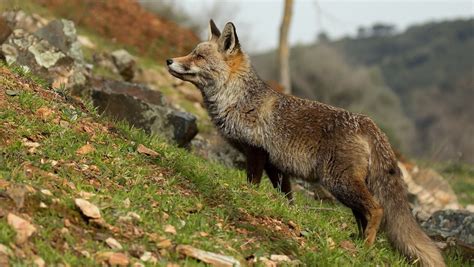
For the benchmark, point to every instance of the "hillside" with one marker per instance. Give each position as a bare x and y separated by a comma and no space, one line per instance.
152,202
53,152
426,75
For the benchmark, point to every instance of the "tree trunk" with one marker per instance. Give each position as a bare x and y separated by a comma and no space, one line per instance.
283,51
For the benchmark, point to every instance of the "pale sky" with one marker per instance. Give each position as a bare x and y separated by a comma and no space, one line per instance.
258,21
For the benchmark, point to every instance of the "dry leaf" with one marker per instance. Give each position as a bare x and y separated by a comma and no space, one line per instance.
331,243
44,113
87,208
118,259
348,246
85,149
145,150
22,227
208,257
113,243
165,243
170,229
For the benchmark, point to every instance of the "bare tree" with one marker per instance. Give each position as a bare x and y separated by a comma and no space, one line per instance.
283,51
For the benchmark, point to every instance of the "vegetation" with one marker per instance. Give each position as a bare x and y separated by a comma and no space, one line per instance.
210,207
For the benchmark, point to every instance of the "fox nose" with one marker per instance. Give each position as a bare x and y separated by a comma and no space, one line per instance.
169,61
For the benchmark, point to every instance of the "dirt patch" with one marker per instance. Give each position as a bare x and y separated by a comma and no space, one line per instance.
128,23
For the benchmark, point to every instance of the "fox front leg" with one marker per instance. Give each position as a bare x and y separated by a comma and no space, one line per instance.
256,159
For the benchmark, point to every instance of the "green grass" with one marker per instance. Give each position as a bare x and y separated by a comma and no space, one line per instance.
461,178
176,188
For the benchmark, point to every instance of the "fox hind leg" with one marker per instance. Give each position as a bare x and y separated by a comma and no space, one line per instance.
353,192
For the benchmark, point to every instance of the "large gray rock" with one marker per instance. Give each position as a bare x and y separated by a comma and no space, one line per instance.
52,52
125,63
143,108
455,227
21,20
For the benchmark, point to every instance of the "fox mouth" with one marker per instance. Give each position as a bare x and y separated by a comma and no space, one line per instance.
180,74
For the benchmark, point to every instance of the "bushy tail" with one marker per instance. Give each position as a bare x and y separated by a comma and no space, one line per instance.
400,225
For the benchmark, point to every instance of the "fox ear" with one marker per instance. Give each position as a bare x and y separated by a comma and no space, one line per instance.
214,32
228,41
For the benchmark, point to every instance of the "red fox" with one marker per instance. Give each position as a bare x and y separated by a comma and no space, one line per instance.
345,152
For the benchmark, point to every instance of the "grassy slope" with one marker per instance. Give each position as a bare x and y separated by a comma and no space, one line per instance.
198,196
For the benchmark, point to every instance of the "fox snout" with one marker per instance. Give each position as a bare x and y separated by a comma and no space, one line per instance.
169,61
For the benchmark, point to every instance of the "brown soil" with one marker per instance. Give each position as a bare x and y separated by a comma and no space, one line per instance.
128,23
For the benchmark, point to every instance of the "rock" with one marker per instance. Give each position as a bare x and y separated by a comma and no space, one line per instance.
113,243
5,30
428,191
125,64
20,20
143,108
61,34
470,207
279,258
51,52
17,194
208,257
22,227
215,148
453,226
87,208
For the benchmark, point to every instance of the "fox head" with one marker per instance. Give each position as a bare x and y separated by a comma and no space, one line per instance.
212,63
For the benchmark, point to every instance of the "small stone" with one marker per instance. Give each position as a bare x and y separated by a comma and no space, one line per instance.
126,203
43,206
17,194
46,192
113,243
279,258
12,92
22,227
64,231
87,208
148,257
470,207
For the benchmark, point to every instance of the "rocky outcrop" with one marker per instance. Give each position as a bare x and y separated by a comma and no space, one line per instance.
427,191
143,108
125,63
454,228
50,51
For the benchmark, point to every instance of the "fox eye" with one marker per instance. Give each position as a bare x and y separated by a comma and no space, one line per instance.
198,56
